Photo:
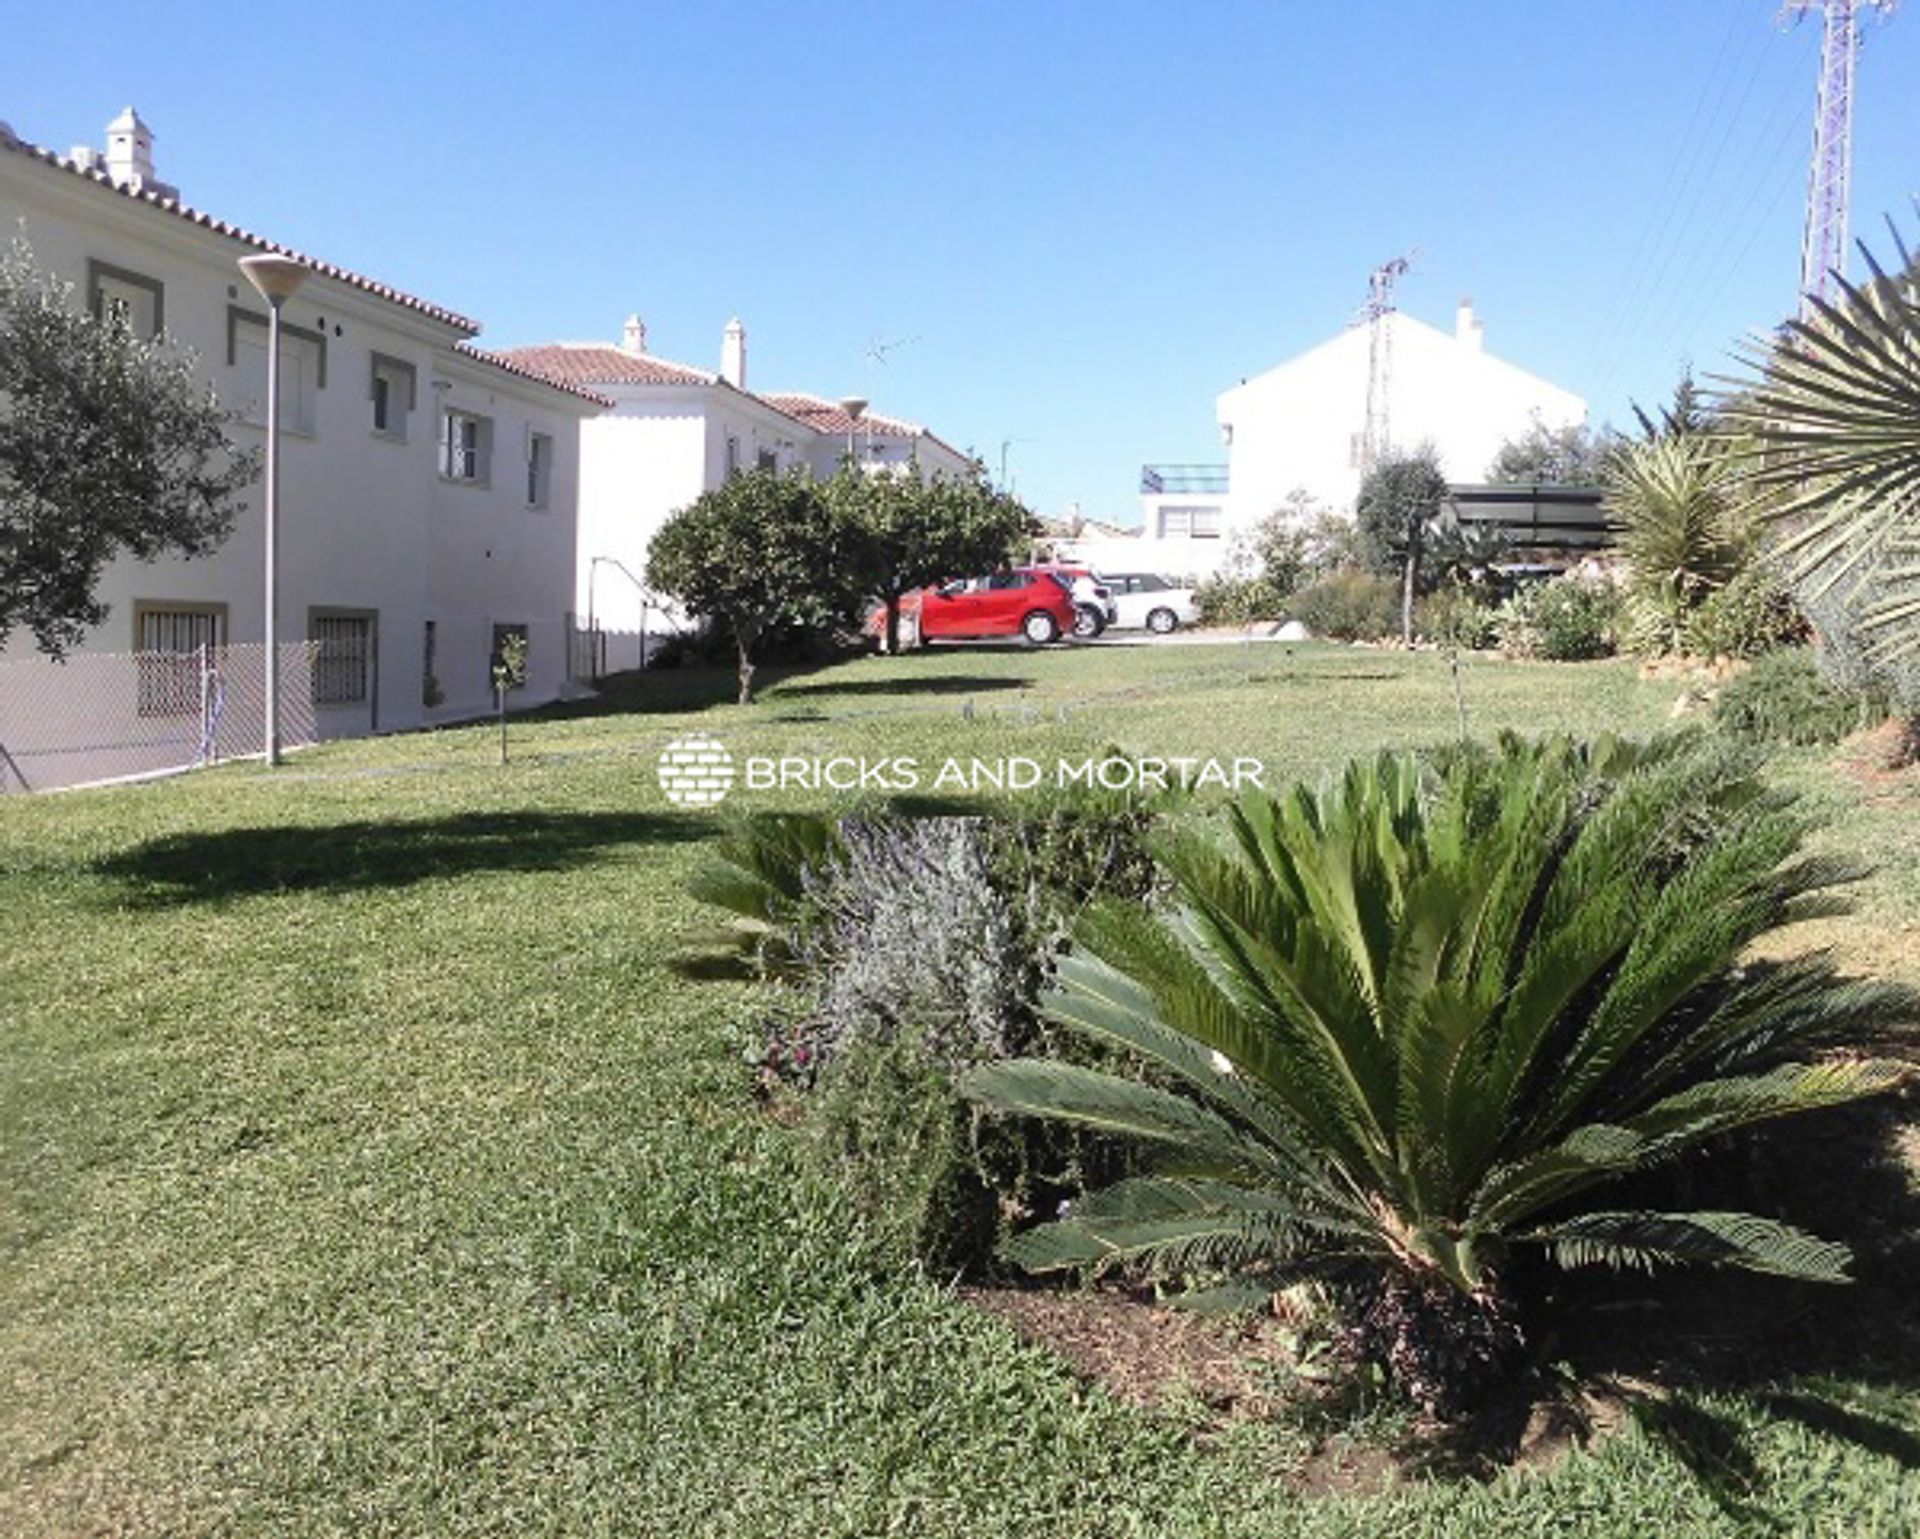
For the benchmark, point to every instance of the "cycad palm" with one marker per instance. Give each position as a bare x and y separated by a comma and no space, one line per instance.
1420,1016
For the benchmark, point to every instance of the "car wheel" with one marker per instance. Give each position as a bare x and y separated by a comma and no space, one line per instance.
1088,622
1040,628
1163,622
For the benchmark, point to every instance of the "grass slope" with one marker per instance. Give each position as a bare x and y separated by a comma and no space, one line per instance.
364,1171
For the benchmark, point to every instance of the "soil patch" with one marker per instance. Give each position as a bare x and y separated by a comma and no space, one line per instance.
1155,1357
1147,1354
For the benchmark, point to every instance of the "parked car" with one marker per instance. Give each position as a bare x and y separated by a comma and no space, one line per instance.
1092,599
1146,601
1031,603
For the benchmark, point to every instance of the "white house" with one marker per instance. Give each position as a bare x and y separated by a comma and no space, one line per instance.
676,431
428,488
1294,435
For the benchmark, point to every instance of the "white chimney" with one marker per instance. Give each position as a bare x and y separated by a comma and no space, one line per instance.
129,149
1467,329
633,336
733,355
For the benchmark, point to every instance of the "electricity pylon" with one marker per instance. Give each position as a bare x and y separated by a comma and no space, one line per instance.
1823,249
1378,437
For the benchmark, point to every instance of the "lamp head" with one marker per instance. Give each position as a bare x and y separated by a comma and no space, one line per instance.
854,406
275,277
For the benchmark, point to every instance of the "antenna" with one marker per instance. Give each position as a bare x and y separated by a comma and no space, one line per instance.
1378,438
1823,249
878,350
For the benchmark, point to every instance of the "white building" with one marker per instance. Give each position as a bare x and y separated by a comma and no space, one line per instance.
428,489
1294,436
676,431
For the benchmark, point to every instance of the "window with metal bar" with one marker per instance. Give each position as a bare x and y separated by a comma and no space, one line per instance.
171,649
342,665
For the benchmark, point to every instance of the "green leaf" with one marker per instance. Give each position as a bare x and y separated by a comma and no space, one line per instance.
1647,1240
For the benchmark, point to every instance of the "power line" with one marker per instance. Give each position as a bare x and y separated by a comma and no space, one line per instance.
1667,187
1632,329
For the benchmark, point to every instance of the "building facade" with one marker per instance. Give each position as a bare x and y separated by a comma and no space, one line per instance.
675,431
1295,437
428,488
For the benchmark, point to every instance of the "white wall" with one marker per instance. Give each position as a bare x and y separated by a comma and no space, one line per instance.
1298,426
364,525
496,558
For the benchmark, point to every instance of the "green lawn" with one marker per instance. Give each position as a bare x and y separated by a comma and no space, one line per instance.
363,1170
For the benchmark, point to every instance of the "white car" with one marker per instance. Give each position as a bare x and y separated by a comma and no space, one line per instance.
1144,601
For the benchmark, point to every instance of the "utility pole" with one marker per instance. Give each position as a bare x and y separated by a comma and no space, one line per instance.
1378,437
1823,249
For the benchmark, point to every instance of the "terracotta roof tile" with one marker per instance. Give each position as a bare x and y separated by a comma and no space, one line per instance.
831,416
513,366
174,206
593,363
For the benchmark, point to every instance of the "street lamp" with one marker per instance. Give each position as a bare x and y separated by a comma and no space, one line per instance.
276,278
855,407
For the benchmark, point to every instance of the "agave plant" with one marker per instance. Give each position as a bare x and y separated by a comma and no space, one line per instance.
1833,408
1419,1020
1680,532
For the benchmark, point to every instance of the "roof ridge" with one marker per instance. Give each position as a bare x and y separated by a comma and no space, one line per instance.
180,209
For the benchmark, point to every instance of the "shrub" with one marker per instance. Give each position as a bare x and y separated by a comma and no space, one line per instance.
1348,606
1455,617
1563,621
1752,615
886,1123
1783,698
915,949
1225,600
1425,1017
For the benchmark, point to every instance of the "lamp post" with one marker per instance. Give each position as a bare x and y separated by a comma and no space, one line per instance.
276,278
855,407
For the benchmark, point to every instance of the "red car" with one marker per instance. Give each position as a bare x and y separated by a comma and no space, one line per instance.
1036,605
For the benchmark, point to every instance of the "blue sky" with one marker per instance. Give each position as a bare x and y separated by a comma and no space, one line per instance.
1079,222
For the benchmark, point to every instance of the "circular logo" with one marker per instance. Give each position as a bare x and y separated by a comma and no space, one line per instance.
696,771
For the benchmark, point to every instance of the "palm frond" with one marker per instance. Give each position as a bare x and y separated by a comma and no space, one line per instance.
1644,1241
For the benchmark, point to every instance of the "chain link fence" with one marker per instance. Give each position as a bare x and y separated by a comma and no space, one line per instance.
116,715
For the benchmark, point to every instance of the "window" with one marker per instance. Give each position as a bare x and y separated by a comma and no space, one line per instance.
171,642
343,666
431,694
466,447
114,292
303,370
391,384
539,468
767,460
1195,523
733,456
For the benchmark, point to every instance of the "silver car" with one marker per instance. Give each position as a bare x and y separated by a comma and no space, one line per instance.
1147,601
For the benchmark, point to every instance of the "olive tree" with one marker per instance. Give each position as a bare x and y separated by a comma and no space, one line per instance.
1400,498
761,551
110,445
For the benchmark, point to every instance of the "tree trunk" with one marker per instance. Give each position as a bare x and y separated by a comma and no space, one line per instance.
892,639
1406,595
743,639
